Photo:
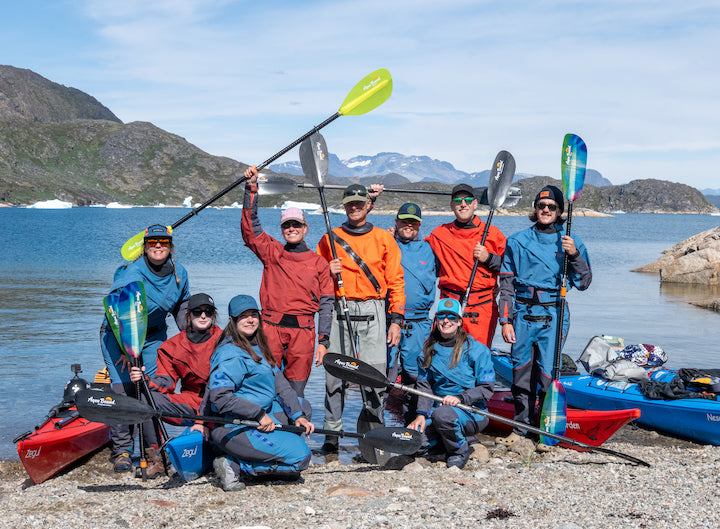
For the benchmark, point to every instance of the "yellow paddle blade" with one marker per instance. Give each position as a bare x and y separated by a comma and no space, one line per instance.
371,92
133,247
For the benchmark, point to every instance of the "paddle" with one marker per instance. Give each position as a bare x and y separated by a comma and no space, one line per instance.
359,372
112,408
369,93
315,161
513,193
501,177
553,417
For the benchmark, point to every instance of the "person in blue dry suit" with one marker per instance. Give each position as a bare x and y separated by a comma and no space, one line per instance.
529,282
420,268
459,369
246,384
166,287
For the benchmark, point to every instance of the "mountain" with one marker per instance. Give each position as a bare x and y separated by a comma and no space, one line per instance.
414,168
713,199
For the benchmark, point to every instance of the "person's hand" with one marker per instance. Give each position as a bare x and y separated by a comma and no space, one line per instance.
391,229
450,400
200,427
320,354
136,373
508,333
266,424
569,245
375,191
393,335
480,253
125,363
302,422
418,424
335,266
251,173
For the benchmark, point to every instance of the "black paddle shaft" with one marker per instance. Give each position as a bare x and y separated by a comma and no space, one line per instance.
561,304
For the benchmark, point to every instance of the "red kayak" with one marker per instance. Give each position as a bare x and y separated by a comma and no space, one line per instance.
63,437
587,426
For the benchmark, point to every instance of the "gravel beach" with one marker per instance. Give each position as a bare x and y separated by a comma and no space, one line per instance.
563,489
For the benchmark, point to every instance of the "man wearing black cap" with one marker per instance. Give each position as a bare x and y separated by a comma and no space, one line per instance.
457,247
369,262
530,282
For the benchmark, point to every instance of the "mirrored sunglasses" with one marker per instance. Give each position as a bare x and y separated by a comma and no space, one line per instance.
161,242
355,193
447,316
543,205
460,200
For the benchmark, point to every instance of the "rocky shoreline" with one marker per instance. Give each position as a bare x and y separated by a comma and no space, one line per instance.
563,489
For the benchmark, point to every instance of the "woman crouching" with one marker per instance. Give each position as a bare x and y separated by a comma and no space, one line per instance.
458,368
245,384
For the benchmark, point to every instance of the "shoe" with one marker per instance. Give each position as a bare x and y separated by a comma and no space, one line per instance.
155,467
543,448
459,460
122,463
330,446
510,440
224,472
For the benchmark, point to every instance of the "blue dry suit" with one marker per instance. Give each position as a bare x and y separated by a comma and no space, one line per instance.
241,388
472,380
529,284
164,294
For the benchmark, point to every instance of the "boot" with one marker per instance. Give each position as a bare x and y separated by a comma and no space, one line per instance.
155,466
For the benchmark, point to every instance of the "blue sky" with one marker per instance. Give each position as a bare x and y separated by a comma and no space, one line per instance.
637,80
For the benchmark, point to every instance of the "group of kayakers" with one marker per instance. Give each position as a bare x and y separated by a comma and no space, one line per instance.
373,291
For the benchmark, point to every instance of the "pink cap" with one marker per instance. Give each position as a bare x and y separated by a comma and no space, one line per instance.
292,214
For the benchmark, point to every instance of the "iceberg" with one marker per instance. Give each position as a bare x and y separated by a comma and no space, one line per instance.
117,205
187,202
50,204
300,205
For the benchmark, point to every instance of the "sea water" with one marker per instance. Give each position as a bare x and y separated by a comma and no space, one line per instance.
56,266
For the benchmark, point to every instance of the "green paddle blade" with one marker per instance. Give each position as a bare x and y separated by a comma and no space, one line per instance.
314,159
132,314
553,418
574,160
501,176
371,92
111,311
133,247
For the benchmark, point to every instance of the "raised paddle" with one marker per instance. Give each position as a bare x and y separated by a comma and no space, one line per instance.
501,176
513,193
359,372
369,93
553,417
111,408
315,161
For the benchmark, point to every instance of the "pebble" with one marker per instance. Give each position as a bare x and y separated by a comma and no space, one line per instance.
563,489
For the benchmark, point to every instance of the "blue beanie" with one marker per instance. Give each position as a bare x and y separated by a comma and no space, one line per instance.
240,304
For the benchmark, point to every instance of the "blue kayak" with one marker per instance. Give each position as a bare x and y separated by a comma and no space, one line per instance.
694,419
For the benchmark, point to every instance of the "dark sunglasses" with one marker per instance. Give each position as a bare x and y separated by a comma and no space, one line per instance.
355,193
292,224
161,242
199,312
543,205
460,200
447,316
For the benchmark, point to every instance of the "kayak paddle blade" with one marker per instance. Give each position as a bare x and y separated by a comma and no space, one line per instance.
133,247
573,163
395,440
132,314
553,418
111,312
370,92
501,177
314,159
275,185
112,408
354,370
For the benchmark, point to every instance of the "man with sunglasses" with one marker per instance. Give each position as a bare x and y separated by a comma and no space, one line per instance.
295,285
369,262
457,247
529,283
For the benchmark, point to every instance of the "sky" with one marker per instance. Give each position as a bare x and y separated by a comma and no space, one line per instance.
637,80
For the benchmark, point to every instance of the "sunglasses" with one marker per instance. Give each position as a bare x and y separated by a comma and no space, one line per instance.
446,316
199,312
460,200
355,193
161,242
291,224
543,205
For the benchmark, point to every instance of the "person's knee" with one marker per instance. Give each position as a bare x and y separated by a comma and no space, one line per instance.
444,416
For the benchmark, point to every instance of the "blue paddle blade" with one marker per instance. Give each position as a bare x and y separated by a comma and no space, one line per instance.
132,314
112,313
553,418
574,160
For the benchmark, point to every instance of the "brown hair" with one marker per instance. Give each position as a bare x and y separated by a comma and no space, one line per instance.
435,336
188,319
230,331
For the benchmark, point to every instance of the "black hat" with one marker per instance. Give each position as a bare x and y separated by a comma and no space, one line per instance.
409,211
198,300
463,188
355,193
553,193
158,231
